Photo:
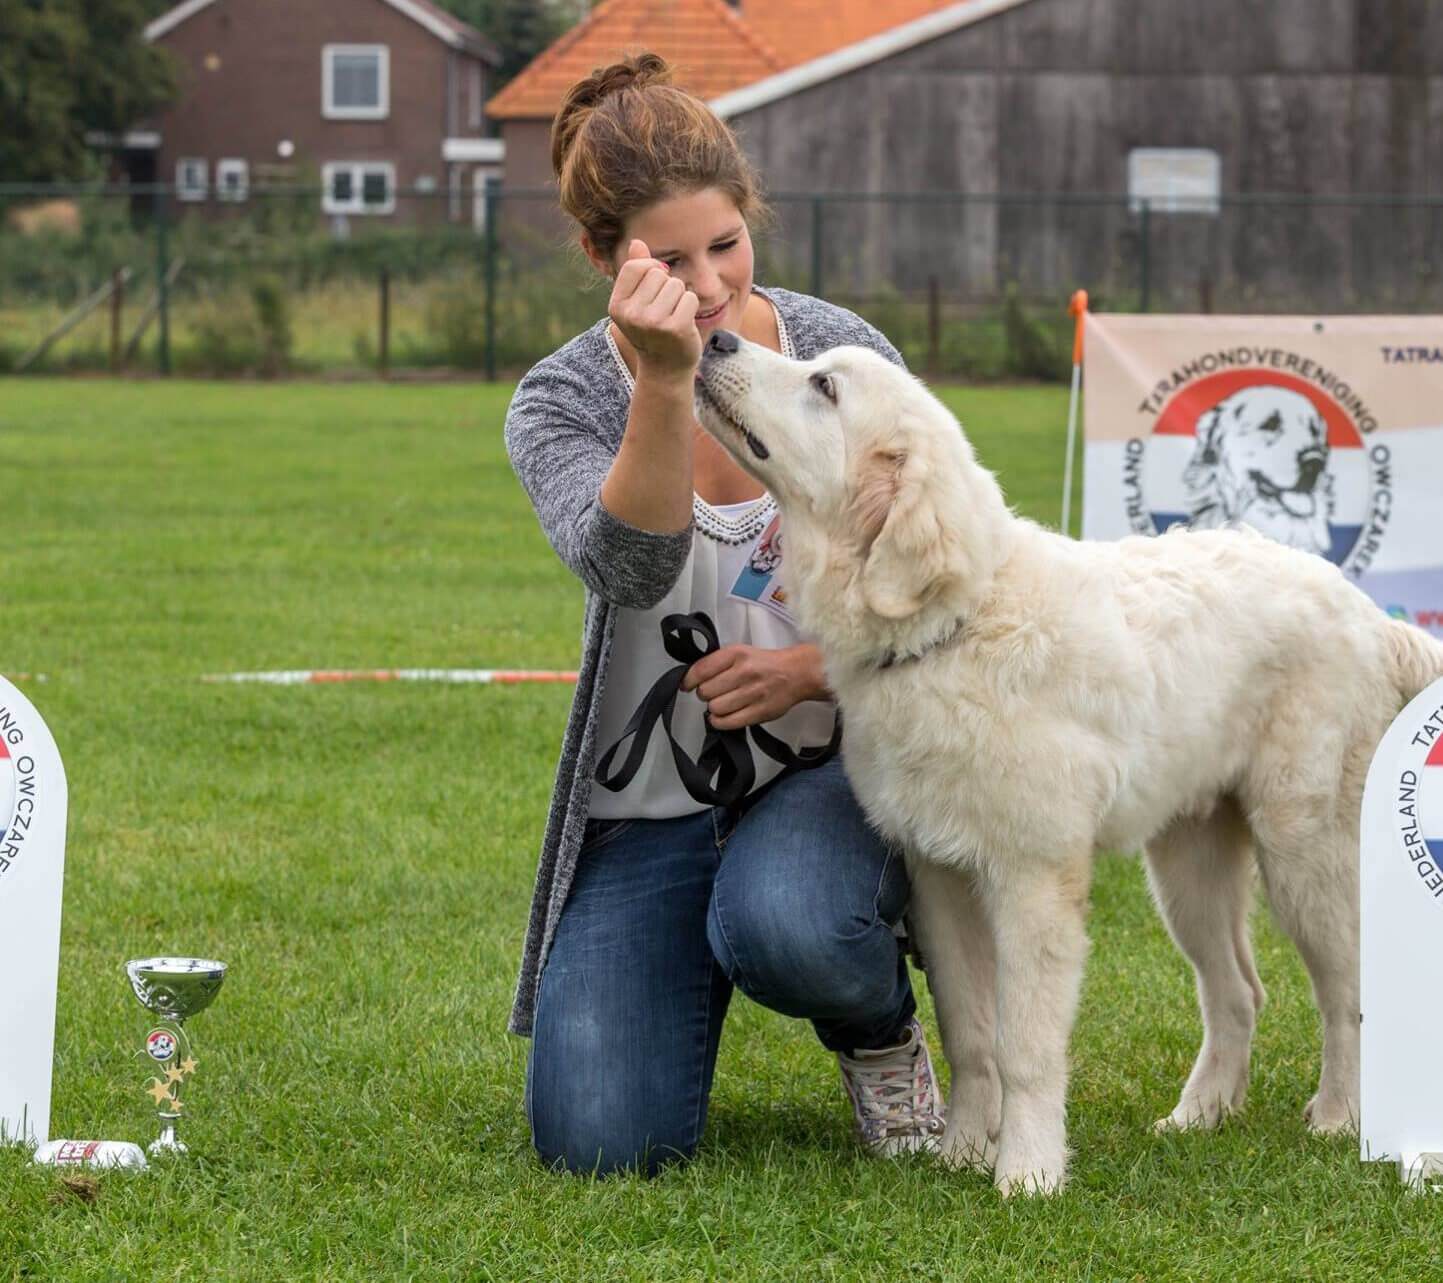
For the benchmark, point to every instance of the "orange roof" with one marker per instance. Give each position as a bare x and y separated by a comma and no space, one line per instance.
801,30
712,50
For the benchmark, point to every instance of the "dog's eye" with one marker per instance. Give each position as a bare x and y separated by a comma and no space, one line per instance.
823,383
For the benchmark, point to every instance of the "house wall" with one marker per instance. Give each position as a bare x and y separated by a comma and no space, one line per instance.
251,77
1301,97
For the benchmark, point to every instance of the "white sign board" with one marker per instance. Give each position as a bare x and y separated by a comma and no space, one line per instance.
32,866
1402,943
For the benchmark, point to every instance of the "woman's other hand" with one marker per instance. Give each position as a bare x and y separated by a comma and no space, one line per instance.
746,685
657,314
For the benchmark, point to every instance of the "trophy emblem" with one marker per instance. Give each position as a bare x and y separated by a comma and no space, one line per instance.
173,990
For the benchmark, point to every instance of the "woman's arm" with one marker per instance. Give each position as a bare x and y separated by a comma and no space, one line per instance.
650,483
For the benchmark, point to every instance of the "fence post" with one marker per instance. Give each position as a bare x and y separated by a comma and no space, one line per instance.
1145,267
816,247
934,327
117,305
162,280
383,354
489,203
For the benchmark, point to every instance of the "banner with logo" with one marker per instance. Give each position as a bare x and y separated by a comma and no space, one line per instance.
32,865
1402,942
1325,433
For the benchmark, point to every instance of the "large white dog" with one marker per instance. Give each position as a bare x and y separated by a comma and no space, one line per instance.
1015,700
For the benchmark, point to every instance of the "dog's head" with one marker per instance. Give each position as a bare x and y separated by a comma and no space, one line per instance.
887,513
1262,458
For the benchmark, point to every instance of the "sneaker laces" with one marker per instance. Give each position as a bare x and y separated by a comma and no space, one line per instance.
892,1089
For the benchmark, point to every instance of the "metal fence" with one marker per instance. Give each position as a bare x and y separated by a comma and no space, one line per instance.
485,283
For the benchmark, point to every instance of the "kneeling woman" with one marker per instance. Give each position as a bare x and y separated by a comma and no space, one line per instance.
702,835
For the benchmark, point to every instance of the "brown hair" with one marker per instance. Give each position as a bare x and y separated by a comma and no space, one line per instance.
626,137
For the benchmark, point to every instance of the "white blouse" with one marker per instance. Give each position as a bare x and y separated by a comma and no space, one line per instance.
731,577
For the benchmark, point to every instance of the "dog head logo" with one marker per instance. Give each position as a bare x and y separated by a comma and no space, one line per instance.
1261,449
1262,458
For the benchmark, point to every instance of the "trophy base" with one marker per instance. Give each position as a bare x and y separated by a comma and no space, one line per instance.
166,1145
91,1153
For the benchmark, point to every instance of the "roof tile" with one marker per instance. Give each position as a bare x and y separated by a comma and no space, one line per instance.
712,50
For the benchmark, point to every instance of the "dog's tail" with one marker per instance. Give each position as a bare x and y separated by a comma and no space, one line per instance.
1417,658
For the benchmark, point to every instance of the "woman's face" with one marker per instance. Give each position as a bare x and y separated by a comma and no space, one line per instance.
703,239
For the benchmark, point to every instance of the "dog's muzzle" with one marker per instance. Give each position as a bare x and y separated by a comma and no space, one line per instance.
711,384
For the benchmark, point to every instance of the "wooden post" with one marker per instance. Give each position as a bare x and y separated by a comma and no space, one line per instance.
1205,293
384,352
934,326
117,307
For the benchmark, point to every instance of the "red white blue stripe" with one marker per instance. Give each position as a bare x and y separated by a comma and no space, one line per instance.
1430,802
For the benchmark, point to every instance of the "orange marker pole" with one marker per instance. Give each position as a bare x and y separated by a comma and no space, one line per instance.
1077,308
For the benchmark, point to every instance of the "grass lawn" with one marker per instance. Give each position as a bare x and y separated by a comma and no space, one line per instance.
362,856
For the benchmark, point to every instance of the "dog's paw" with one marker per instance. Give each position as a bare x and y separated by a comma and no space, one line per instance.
1029,1183
1038,1168
1334,1117
1194,1115
969,1149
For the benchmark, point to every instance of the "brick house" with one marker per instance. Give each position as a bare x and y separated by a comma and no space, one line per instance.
371,98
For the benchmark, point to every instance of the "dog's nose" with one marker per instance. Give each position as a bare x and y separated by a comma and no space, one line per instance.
723,343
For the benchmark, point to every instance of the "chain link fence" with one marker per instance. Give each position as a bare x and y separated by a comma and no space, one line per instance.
277,282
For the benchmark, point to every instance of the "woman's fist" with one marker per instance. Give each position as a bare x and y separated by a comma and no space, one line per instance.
656,312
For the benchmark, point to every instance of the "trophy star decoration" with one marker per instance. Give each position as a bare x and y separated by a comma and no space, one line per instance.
173,989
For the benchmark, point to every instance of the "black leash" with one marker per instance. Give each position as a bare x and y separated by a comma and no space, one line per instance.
723,773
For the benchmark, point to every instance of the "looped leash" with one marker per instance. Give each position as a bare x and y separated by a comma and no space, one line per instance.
723,772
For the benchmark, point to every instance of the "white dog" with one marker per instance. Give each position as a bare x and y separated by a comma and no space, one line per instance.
1015,700
1262,459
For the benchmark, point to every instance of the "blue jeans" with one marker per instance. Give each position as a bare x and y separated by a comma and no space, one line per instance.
791,899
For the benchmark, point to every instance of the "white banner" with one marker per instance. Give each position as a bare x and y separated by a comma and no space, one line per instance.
32,865
1402,942
1324,432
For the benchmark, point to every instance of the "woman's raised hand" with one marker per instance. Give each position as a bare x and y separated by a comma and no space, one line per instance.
656,312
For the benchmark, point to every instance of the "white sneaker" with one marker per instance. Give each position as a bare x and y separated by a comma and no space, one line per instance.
894,1095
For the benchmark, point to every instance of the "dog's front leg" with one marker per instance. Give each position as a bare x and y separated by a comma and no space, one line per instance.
956,945
1038,916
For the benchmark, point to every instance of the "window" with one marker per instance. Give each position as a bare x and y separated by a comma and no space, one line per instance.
355,82
1174,180
480,177
192,179
475,98
366,187
232,179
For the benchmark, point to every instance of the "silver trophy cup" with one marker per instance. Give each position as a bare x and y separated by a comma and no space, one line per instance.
173,989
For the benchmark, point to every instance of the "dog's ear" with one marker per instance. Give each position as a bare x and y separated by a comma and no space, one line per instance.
1205,454
899,532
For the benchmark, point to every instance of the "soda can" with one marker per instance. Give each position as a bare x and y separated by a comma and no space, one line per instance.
90,1153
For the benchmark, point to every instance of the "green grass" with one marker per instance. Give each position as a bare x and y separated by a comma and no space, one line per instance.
362,856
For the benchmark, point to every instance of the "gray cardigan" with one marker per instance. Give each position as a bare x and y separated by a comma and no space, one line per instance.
563,429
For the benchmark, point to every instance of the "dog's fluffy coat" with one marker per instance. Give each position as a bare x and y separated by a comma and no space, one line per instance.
1015,700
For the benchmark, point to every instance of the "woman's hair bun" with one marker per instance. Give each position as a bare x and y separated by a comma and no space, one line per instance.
586,95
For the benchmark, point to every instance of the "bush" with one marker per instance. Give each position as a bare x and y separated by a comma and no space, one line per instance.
1032,353
273,316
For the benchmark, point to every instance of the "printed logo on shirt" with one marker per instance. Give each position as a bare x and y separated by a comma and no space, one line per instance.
758,579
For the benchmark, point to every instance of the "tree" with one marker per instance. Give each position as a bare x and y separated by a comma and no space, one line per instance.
68,68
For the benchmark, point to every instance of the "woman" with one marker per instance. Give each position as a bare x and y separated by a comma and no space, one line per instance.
702,835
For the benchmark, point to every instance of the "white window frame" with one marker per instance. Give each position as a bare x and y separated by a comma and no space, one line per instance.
192,178
1193,187
241,170
328,83
475,97
357,203
479,175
